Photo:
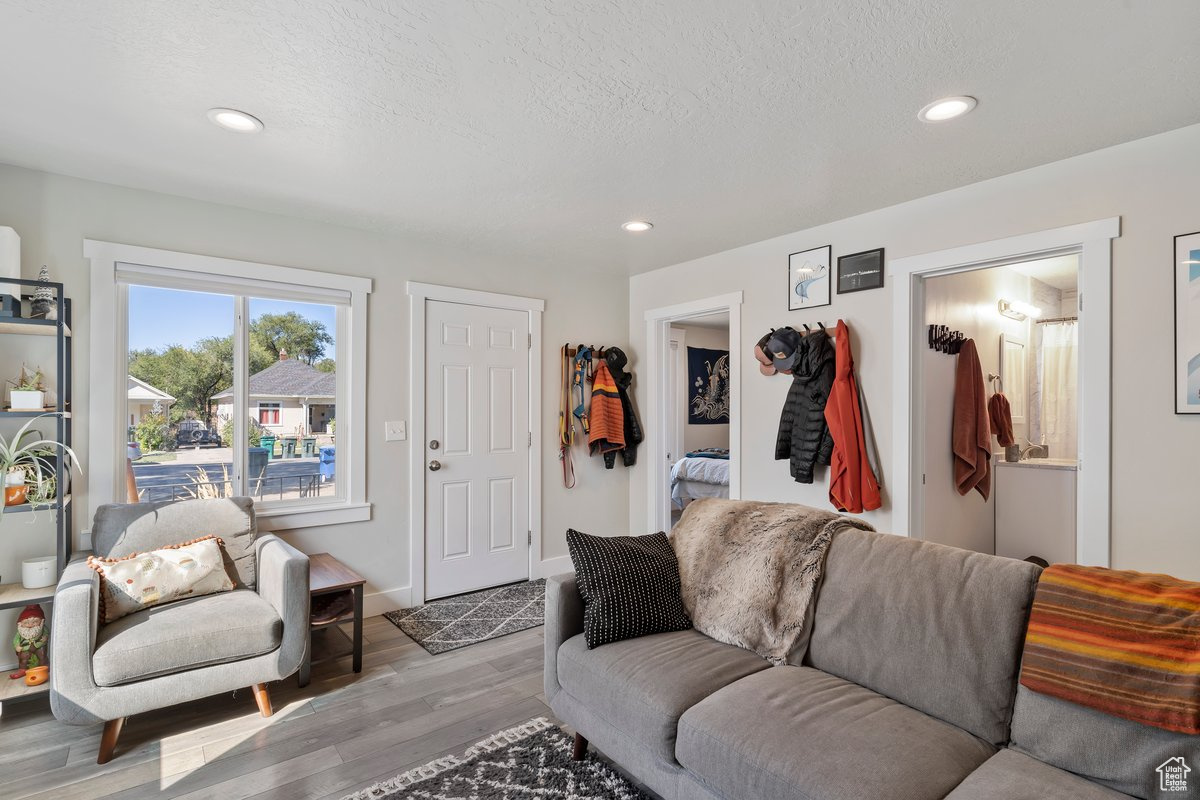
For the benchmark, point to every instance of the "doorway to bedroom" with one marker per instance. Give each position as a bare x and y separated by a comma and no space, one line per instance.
692,420
698,392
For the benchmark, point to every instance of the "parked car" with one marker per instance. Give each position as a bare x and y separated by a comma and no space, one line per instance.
194,433
134,451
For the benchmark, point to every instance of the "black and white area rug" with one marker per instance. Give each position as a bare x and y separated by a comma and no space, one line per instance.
454,622
528,762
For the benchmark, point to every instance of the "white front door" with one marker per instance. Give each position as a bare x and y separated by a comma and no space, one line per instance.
476,448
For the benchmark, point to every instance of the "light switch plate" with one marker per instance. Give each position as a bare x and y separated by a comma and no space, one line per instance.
395,431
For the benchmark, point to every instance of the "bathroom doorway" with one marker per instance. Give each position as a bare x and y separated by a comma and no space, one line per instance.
1022,318
915,451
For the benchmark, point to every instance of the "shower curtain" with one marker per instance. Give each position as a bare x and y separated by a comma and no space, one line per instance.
1059,382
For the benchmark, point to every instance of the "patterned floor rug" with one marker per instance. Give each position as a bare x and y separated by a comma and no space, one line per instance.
522,763
454,622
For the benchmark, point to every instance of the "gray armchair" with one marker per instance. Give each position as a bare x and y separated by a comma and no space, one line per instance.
184,650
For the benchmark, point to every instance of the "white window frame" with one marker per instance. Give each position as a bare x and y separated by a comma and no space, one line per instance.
109,329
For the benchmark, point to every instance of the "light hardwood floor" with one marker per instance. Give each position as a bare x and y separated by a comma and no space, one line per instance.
337,735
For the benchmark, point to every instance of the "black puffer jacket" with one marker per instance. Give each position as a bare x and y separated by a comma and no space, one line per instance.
804,437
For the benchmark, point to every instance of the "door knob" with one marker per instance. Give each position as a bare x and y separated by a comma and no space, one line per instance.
434,466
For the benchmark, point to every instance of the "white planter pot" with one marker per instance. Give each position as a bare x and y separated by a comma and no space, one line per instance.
28,401
37,573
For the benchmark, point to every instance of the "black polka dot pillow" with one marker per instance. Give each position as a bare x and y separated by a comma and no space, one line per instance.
629,586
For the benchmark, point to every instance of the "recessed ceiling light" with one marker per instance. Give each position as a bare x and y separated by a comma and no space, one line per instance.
947,108
637,226
233,120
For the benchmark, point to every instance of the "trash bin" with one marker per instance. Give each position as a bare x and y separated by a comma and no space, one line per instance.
326,457
257,467
268,444
289,448
308,446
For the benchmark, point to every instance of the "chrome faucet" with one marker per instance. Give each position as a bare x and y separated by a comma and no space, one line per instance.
1042,452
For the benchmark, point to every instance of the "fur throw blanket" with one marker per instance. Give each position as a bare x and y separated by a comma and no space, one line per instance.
748,570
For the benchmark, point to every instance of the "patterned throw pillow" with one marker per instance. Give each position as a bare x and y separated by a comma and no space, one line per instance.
629,586
161,576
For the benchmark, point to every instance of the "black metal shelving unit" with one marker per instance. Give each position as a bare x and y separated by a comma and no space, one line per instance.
14,595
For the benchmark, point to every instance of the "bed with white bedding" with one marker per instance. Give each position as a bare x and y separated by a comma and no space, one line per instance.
695,477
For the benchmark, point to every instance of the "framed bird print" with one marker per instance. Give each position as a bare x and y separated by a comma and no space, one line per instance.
808,278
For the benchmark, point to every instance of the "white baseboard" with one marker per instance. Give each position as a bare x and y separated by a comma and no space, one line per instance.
375,603
554,566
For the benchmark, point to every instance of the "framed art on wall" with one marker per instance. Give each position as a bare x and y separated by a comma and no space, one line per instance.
808,278
1187,323
708,386
860,271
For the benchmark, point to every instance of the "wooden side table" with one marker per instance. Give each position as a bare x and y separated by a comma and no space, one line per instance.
327,575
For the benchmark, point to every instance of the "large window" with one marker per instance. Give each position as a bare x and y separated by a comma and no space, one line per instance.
236,383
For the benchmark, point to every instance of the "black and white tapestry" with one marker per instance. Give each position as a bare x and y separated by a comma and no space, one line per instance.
708,386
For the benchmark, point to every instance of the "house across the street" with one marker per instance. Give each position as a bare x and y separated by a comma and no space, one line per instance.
288,397
142,397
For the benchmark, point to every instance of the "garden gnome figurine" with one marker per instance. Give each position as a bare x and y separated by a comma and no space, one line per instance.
30,640
43,297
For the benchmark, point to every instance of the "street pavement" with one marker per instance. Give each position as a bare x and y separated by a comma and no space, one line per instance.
171,480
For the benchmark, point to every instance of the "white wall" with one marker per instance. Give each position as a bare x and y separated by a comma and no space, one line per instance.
1150,183
966,302
53,215
696,437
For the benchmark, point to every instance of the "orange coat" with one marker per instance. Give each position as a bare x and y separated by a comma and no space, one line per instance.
852,484
606,418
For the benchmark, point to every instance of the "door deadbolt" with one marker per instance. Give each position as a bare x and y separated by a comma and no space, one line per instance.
434,444
434,466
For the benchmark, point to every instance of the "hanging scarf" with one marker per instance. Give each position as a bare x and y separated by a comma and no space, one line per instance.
566,427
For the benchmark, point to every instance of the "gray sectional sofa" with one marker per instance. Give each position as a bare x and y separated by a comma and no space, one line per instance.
907,690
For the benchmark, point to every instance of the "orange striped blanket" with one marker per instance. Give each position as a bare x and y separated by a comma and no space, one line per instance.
1125,643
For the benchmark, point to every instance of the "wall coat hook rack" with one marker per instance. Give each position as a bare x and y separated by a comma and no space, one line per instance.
944,340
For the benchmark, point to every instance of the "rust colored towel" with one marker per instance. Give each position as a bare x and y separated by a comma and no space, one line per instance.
606,429
1000,414
971,439
1125,643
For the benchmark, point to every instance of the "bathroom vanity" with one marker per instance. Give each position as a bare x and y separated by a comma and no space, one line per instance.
1035,508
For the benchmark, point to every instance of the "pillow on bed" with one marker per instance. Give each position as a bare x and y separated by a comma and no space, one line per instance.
629,586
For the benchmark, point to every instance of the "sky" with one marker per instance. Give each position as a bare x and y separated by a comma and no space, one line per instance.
162,317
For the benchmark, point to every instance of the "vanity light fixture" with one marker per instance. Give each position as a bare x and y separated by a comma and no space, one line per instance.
637,226
947,108
1015,309
233,120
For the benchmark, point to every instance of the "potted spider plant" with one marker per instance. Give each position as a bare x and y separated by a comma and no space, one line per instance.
29,391
29,457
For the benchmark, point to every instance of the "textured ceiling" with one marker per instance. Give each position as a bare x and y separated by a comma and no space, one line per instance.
535,128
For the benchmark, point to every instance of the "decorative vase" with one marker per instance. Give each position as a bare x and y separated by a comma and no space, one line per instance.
15,490
43,297
28,400
37,573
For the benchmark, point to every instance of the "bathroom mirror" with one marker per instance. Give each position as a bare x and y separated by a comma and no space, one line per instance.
1013,367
